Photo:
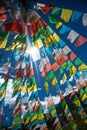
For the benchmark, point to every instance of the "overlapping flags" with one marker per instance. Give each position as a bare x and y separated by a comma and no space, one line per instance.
73,36
66,15
58,65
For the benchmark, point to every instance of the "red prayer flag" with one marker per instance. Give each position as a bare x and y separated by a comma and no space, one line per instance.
30,73
79,87
39,24
50,102
72,56
57,125
61,59
80,41
24,72
14,26
71,94
27,107
43,73
33,29
84,84
39,106
2,10
61,97
70,119
34,107
18,109
65,57
58,61
44,23
55,66
45,128
48,67
6,76
18,73
3,17
47,8
25,29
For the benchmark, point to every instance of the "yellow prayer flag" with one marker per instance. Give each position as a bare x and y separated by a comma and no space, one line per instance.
84,97
77,102
46,86
66,15
53,112
12,46
40,116
66,108
27,121
74,127
3,44
34,118
48,40
58,24
17,121
82,67
24,89
17,88
47,43
38,43
3,93
73,71
57,38
54,82
32,88
64,77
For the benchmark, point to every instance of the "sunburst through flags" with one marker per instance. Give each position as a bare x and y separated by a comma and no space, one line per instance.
43,82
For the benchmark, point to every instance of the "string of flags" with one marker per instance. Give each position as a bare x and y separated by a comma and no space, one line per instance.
40,65
60,15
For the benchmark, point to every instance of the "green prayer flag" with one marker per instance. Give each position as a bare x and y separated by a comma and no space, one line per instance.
64,65
78,62
19,38
51,107
42,32
56,10
81,92
51,75
32,81
86,89
63,103
52,19
27,114
1,23
16,82
36,36
17,116
40,111
15,120
61,70
50,30
3,34
3,86
72,123
69,63
27,41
